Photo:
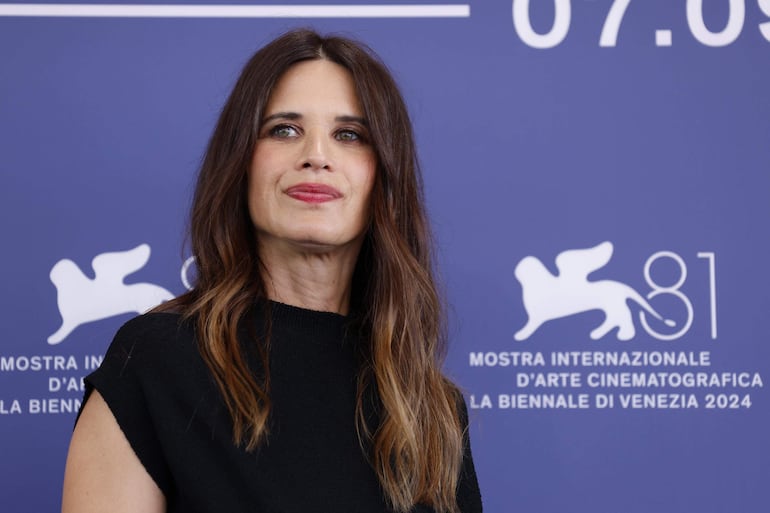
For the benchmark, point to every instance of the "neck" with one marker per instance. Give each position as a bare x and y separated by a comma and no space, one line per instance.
308,277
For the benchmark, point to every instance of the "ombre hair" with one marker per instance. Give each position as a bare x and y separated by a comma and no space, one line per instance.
416,446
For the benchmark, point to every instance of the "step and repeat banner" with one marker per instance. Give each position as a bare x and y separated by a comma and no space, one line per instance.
598,178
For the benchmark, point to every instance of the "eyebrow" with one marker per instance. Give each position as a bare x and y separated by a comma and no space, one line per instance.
296,115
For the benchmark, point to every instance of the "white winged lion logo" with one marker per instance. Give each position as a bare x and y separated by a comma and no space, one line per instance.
547,296
83,300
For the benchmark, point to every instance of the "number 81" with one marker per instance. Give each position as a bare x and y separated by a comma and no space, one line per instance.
674,290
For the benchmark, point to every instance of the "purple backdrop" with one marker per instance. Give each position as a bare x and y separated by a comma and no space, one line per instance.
637,128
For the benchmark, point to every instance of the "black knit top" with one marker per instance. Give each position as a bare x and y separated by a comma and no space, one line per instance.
165,400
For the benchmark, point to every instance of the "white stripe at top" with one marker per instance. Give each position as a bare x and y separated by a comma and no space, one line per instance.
234,11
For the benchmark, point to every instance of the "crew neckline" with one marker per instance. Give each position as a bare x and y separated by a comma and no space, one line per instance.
286,311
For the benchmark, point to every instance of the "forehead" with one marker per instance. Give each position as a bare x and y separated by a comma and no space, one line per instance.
314,86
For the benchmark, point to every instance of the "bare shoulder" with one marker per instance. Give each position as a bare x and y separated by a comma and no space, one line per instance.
103,473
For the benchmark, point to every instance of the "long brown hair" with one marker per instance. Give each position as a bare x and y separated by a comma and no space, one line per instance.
416,448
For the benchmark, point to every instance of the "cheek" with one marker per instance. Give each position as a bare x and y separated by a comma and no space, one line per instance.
368,175
254,201
366,185
257,186
261,177
367,192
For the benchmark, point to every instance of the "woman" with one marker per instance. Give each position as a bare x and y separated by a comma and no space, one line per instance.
303,371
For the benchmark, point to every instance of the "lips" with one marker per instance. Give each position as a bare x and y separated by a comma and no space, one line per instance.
313,192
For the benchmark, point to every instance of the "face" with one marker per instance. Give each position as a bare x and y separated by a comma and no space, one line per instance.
313,167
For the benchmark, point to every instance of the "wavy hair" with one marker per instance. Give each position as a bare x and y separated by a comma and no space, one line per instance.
416,445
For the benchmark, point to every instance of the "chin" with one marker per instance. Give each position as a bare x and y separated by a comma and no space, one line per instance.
323,240
320,244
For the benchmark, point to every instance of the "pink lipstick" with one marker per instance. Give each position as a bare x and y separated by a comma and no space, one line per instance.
313,192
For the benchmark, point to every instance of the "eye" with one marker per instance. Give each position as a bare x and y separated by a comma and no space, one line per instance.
283,131
348,135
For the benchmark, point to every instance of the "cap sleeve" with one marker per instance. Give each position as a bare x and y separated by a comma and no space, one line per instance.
124,381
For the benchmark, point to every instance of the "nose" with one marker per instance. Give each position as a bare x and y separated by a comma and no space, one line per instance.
315,152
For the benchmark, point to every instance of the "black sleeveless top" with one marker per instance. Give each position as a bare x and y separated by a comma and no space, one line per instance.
165,400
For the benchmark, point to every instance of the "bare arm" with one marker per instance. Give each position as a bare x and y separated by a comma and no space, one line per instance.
103,473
